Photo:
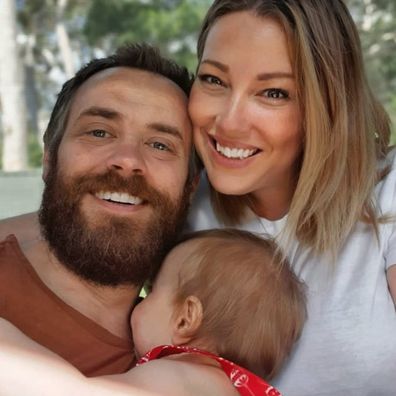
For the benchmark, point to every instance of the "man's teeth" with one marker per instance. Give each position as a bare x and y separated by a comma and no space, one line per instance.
119,197
234,153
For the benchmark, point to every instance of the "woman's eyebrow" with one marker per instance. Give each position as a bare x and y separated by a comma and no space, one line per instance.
261,76
217,64
273,75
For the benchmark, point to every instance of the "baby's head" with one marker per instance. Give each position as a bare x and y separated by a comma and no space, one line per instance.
226,291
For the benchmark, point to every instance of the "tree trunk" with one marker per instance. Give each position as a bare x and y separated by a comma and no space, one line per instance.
32,105
12,93
63,39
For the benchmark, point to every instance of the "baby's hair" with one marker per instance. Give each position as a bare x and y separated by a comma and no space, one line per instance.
253,304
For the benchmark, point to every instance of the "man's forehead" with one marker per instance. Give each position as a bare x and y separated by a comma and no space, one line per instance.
127,90
124,86
137,78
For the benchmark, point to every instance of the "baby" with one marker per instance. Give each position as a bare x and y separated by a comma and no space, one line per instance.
224,310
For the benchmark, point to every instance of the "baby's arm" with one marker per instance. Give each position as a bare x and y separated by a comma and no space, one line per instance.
27,368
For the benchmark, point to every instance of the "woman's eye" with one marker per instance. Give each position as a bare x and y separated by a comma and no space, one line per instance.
207,78
276,93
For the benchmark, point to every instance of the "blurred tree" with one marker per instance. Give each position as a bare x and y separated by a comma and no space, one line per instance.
376,20
12,95
172,25
95,28
63,39
51,47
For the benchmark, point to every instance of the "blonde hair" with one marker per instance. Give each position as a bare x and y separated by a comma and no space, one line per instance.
253,304
346,129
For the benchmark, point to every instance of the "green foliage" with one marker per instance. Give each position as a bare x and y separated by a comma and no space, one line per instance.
171,25
377,29
35,153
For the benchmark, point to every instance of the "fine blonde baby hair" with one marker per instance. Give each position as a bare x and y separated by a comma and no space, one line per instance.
253,304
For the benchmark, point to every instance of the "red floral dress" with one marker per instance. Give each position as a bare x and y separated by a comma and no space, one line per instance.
247,383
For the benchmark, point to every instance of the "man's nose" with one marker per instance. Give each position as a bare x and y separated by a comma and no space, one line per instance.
232,120
127,158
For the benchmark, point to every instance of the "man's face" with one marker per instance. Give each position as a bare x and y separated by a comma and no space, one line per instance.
116,196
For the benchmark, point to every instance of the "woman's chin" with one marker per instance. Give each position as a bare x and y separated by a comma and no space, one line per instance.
229,187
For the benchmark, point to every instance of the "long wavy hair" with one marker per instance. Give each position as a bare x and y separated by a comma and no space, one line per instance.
346,130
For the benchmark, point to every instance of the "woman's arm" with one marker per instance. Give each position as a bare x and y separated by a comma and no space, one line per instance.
27,368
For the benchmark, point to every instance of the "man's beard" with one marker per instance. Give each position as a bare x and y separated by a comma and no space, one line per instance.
115,250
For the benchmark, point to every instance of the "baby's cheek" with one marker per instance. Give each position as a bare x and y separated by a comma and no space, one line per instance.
136,315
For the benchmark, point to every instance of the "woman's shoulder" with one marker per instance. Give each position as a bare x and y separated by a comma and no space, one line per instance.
390,159
385,190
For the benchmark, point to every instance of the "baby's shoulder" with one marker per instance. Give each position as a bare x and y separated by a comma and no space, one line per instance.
181,375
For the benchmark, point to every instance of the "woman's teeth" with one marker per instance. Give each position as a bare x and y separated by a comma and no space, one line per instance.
234,153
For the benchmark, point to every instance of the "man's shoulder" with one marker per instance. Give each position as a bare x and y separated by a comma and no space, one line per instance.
25,227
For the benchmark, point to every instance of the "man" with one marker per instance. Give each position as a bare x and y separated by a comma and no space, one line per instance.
118,172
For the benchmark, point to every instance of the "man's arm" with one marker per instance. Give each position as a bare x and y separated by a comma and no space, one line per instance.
27,368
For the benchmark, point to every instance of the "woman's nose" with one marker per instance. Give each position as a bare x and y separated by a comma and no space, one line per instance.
231,120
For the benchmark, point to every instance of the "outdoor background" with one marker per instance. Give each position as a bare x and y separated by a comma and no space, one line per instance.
44,42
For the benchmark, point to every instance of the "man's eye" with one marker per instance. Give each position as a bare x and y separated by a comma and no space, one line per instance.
276,93
160,146
209,79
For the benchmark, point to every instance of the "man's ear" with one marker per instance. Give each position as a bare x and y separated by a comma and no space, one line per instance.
187,321
46,164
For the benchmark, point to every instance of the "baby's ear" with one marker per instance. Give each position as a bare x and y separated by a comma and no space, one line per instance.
187,321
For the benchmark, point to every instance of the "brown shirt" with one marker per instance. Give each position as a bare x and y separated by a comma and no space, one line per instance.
26,302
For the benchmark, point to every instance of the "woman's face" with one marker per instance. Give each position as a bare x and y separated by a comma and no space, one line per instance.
247,120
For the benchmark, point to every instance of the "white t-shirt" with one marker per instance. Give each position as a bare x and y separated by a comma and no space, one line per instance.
348,345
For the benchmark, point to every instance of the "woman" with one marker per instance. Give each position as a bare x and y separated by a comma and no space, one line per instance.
295,146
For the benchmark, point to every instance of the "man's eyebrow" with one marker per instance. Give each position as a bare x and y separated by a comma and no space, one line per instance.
262,76
101,112
165,128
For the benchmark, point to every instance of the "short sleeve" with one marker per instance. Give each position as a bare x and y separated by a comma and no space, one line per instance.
387,202
391,254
